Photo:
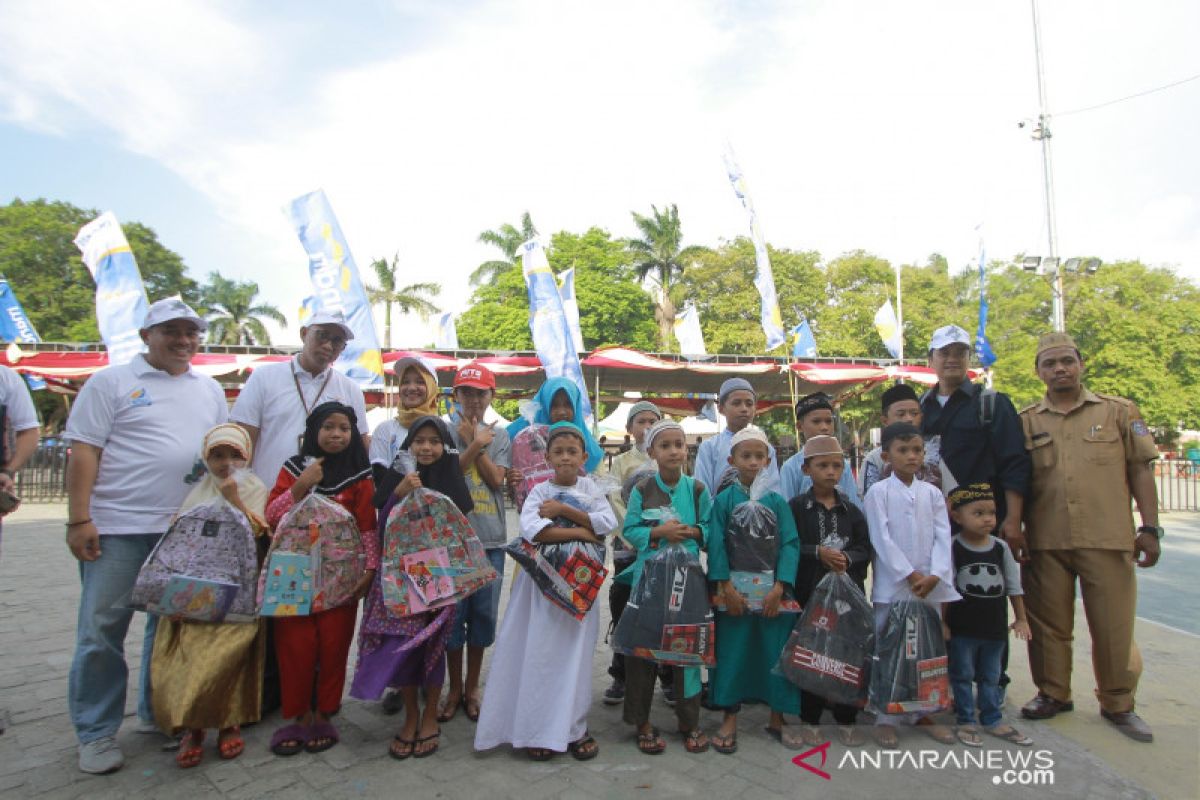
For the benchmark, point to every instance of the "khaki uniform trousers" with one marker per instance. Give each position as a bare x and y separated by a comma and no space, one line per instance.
1109,590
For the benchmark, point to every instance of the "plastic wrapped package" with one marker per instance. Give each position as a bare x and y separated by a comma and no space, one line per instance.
204,568
315,560
569,574
910,669
431,556
668,618
830,651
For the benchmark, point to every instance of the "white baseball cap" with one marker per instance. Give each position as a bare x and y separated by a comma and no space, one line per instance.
948,335
172,308
330,318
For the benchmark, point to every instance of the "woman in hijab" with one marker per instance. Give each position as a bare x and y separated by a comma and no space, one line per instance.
312,650
410,652
209,674
418,397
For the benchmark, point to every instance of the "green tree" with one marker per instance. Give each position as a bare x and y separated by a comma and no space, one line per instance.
613,308
233,313
41,262
508,239
660,254
410,299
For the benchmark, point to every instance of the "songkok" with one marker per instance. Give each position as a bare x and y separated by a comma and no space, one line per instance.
972,492
821,446
735,385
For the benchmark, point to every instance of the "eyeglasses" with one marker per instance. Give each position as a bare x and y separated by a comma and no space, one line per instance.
336,339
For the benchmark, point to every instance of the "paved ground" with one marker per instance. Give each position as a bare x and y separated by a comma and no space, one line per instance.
39,590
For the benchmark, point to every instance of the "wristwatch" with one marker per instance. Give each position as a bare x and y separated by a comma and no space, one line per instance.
1156,530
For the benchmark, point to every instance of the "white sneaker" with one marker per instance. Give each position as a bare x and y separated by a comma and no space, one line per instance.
101,756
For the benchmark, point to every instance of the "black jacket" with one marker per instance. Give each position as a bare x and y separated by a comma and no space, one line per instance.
851,527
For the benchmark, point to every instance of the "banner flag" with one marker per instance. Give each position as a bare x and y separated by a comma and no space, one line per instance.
445,335
983,348
566,290
121,302
889,328
764,280
15,326
804,344
336,284
688,333
548,321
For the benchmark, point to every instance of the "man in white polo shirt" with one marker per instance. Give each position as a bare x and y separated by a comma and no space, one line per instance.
277,398
135,431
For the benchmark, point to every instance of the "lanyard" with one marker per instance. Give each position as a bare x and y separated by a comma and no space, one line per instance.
317,401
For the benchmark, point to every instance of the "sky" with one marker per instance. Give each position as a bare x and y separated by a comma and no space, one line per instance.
890,127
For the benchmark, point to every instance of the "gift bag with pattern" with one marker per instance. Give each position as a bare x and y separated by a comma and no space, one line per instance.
668,618
328,535
427,522
569,574
830,650
211,541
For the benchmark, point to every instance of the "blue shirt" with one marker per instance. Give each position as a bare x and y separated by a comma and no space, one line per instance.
793,481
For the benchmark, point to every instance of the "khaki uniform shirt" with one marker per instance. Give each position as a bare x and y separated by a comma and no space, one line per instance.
1079,495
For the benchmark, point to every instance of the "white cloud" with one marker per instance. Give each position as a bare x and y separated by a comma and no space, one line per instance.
890,127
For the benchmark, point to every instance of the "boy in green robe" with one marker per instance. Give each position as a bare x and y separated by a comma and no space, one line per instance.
749,643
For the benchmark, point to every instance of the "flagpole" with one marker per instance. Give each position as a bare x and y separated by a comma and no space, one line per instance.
899,314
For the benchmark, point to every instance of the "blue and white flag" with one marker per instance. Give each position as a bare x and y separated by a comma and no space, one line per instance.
764,279
983,348
121,303
337,286
804,344
548,321
308,307
889,329
688,332
15,326
566,290
445,333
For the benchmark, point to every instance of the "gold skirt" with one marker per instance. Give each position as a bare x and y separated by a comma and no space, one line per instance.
207,675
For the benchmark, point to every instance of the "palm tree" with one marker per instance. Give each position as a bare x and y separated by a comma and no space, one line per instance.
411,298
658,254
233,313
509,239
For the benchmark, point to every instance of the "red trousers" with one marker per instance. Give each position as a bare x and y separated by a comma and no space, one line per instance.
302,644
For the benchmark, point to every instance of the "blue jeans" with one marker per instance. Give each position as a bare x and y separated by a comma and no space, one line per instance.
96,688
475,617
976,661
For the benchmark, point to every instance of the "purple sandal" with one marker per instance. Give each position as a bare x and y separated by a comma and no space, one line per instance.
295,733
318,731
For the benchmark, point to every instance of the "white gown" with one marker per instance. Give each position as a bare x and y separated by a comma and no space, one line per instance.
539,687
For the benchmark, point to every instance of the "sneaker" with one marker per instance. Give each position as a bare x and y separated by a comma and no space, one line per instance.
614,694
101,756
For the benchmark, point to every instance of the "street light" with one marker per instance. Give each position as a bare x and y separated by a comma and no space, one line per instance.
1050,268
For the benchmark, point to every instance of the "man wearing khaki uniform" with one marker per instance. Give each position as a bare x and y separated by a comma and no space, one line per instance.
1091,454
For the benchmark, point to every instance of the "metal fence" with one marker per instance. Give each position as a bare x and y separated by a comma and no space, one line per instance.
44,478
1178,484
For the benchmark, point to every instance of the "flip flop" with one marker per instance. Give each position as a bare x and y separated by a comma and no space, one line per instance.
190,755
887,737
651,742
422,739
724,744
471,707
400,755
446,711
230,743
296,733
788,742
939,733
1012,735
578,751
691,741
321,730
969,735
539,753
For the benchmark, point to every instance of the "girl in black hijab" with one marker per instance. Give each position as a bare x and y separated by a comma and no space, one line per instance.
437,468
340,467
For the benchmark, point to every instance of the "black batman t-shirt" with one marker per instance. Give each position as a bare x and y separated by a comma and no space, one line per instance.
979,576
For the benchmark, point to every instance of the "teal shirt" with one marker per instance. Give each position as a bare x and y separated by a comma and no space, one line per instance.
637,525
788,559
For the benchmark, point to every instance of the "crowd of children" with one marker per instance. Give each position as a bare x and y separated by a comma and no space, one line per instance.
768,537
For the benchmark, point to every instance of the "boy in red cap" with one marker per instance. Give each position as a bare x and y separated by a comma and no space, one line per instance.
485,454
